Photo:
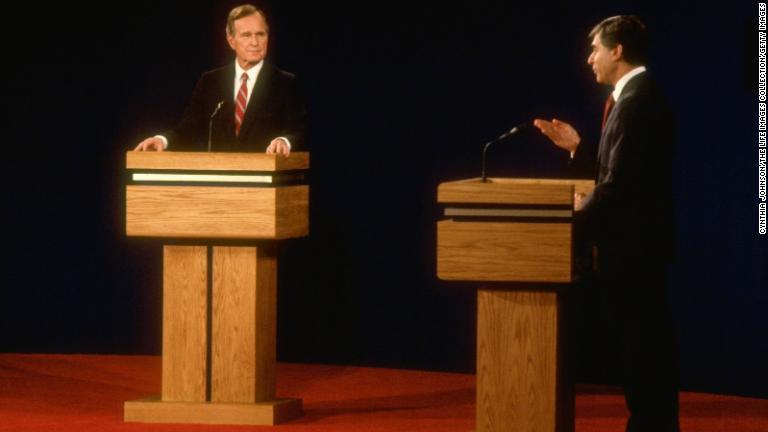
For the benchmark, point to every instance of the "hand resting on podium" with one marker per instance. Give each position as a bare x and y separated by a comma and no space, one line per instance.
155,143
150,144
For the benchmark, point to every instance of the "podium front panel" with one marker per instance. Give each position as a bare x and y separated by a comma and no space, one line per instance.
503,251
217,212
232,196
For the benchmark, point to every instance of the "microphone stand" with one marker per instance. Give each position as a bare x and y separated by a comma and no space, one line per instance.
511,132
210,124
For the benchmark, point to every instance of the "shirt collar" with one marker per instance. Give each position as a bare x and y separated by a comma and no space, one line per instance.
624,80
252,73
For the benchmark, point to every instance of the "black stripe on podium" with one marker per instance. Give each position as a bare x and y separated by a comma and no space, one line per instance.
494,206
209,325
518,219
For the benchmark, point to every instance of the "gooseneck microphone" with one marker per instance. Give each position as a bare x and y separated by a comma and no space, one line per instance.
210,123
519,128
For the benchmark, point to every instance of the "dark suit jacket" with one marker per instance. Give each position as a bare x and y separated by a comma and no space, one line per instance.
630,212
276,108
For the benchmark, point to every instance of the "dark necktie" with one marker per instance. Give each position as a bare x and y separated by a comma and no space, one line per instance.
609,103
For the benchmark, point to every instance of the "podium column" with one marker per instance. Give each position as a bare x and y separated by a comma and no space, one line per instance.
244,317
518,361
185,314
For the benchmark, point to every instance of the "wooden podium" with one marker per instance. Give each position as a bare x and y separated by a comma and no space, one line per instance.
514,236
219,215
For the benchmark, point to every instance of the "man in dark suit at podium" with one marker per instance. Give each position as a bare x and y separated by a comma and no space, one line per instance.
247,106
629,217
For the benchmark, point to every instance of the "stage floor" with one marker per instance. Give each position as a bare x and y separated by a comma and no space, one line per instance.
86,393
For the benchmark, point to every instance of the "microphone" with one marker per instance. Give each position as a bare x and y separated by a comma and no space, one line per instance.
519,128
210,122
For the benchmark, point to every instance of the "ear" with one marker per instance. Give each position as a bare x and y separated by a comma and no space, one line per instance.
230,39
617,53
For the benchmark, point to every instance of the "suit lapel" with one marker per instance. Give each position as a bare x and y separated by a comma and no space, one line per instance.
606,137
601,149
257,101
227,115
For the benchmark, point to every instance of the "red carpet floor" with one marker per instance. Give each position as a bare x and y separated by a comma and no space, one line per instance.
85,393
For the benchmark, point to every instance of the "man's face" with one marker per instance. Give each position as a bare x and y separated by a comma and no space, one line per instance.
604,61
250,40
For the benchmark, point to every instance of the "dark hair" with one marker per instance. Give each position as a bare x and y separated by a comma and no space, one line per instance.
627,31
243,11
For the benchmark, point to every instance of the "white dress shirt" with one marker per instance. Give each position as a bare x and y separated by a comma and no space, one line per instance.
621,83
253,74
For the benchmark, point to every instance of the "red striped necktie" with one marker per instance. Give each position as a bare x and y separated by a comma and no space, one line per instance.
240,103
609,103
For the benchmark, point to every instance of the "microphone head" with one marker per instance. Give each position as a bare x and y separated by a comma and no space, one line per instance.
519,128
217,109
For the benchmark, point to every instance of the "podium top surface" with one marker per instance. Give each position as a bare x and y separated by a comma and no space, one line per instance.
523,191
201,161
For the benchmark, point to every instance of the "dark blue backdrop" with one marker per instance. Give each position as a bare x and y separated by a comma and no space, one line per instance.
401,97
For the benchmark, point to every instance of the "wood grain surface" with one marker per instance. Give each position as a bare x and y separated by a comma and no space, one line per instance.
244,325
504,251
217,212
517,344
513,191
292,214
216,161
185,300
152,410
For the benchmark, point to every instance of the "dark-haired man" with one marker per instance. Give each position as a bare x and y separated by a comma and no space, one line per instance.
250,105
629,217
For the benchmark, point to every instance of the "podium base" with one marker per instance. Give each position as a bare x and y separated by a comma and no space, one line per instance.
153,410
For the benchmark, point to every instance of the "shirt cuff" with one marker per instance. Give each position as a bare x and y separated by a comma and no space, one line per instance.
287,141
164,140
